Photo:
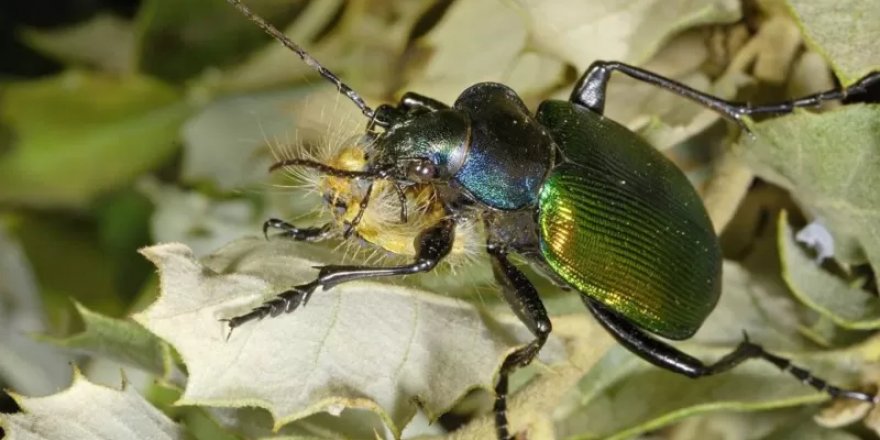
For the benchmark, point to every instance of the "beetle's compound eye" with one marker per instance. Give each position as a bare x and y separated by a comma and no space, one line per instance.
421,170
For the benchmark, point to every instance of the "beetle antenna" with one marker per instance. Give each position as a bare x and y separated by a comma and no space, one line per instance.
308,59
325,169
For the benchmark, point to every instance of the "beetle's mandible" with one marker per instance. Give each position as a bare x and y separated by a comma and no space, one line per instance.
583,199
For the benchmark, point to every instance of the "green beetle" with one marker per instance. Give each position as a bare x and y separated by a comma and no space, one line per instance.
582,198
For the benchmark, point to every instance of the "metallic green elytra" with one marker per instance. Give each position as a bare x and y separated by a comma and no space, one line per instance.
622,224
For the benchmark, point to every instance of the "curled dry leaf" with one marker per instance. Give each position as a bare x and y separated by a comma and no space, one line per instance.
632,31
539,37
848,40
848,306
831,163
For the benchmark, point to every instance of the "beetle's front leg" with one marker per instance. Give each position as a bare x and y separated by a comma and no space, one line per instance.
669,358
522,297
298,234
432,245
590,92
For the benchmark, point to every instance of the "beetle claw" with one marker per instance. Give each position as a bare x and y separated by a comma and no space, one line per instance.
229,326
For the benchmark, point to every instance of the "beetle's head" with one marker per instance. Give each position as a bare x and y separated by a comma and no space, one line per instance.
393,172
425,149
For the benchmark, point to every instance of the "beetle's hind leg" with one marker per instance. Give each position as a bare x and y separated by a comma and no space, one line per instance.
522,297
432,245
670,358
590,92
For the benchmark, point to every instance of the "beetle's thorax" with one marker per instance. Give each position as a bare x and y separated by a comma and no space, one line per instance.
510,154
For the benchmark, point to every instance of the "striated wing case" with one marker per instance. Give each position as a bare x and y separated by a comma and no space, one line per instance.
622,224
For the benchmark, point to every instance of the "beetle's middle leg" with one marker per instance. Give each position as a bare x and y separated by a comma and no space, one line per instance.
669,358
522,297
432,245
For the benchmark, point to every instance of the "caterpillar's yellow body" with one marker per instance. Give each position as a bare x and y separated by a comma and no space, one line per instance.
380,230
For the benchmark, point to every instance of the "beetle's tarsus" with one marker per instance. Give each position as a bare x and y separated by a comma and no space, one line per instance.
807,378
285,302
270,223
228,333
291,299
